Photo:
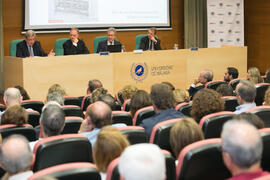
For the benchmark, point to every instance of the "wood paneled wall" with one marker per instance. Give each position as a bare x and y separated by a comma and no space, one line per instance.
257,29
13,23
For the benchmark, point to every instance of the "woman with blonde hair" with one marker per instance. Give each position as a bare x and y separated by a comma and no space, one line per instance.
254,75
109,145
267,97
180,95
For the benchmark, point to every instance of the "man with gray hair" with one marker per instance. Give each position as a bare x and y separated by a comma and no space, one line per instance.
245,93
204,77
16,157
143,162
30,47
242,150
103,45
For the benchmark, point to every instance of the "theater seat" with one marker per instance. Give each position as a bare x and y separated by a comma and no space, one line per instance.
135,134
36,105
97,40
214,84
202,160
126,105
142,114
161,134
72,125
13,47
61,149
27,131
230,103
265,161
70,100
121,117
260,91
263,112
184,108
85,102
72,110
58,46
69,171
33,117
234,82
2,107
211,124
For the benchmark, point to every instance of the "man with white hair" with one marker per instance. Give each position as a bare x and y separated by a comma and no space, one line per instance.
16,157
242,150
142,162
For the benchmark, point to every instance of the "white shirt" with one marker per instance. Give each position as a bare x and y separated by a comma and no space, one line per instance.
21,176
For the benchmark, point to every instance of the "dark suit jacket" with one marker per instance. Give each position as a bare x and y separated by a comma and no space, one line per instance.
144,45
22,49
70,49
102,45
193,90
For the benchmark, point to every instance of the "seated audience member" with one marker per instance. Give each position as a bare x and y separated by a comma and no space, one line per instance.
245,93
254,75
251,118
150,42
225,90
183,133
127,92
206,101
12,96
74,45
230,74
139,100
179,96
109,100
242,150
267,98
102,46
97,93
162,99
30,47
143,162
169,84
57,88
98,115
23,92
15,115
16,158
57,97
93,84
52,121
204,77
267,76
109,145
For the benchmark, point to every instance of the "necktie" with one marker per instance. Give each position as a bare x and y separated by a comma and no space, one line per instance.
31,52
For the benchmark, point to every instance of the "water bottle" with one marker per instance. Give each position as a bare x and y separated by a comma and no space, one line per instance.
175,47
123,49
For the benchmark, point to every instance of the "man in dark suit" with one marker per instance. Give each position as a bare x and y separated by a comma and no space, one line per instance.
150,42
102,46
74,45
30,47
204,77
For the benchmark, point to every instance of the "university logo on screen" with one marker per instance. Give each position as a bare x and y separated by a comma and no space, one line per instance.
139,71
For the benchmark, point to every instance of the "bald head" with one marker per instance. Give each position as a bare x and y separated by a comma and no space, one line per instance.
15,154
99,114
12,96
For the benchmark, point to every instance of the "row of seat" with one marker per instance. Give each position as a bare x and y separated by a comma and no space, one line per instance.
58,45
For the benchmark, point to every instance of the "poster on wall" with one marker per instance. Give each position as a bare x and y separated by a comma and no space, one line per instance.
225,23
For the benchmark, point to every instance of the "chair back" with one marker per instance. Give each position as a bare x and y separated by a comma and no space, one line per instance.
230,103
135,134
97,40
121,117
263,112
36,105
72,125
58,46
161,134
126,105
27,131
69,100
61,149
2,107
234,82
211,124
138,40
13,47
202,160
85,102
184,108
265,160
260,91
214,84
69,171
72,110
33,117
142,114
